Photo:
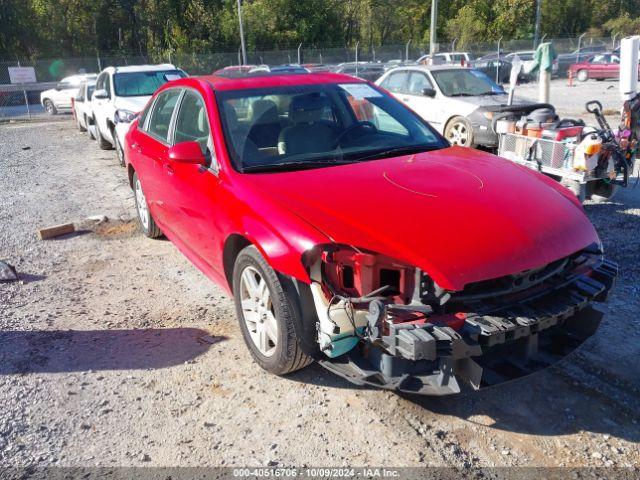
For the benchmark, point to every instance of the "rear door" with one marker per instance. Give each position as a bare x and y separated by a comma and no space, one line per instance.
150,146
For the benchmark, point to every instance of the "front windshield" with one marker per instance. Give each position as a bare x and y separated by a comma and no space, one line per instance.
138,84
310,126
465,83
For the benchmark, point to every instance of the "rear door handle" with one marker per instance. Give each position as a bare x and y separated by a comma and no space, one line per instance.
169,169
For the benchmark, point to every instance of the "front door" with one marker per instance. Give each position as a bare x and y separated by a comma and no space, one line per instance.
427,107
195,202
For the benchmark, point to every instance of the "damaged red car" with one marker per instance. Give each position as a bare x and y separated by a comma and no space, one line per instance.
350,233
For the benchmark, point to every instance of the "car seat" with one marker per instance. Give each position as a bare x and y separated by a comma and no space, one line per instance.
265,123
308,132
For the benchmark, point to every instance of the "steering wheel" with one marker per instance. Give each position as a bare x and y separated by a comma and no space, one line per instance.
352,128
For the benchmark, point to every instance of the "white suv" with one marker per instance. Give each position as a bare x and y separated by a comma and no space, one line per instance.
120,93
59,98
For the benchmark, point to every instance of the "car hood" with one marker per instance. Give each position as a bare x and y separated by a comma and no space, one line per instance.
459,214
133,104
490,101
46,93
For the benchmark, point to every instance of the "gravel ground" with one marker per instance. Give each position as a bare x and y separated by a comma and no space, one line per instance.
102,361
570,101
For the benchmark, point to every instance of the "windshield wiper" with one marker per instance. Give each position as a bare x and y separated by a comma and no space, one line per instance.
463,94
492,92
296,165
404,150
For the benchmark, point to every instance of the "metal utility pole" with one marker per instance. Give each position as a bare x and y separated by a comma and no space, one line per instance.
406,50
536,35
242,45
433,26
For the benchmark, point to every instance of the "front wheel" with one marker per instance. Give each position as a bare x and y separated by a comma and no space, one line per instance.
266,315
583,75
459,132
49,107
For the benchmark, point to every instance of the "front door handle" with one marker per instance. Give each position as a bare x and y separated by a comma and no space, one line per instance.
136,147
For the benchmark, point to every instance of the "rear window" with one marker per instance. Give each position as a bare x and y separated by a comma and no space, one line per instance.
139,84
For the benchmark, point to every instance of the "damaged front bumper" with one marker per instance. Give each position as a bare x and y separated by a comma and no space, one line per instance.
509,340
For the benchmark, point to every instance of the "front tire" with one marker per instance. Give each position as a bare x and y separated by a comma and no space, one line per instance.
582,75
459,132
49,107
266,314
145,219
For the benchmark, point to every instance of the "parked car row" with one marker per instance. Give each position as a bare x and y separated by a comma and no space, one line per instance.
105,104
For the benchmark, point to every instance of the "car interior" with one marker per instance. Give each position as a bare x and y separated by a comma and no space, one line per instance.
306,125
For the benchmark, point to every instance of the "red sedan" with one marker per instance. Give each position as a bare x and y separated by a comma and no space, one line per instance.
599,67
351,233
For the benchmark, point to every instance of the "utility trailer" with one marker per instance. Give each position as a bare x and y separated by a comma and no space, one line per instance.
594,175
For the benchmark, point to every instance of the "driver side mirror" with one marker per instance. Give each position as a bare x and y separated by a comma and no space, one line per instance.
187,152
428,92
102,93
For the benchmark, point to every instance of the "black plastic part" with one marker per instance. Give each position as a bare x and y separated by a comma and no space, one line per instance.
510,342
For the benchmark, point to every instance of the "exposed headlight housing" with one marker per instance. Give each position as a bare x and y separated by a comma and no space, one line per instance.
125,116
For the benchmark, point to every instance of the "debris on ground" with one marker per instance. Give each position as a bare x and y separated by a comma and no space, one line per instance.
8,272
209,339
98,219
56,231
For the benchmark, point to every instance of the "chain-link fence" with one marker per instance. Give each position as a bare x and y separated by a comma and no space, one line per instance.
23,101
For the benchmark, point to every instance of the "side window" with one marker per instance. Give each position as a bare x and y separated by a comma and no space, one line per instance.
100,82
417,82
161,114
396,82
192,124
107,84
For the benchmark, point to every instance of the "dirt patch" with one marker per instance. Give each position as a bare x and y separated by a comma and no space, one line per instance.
116,229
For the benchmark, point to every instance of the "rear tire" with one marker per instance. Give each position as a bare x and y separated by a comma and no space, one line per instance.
582,75
49,107
119,150
145,219
266,314
90,127
102,142
80,127
601,191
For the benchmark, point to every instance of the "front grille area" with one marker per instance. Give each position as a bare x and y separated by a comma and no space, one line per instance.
487,295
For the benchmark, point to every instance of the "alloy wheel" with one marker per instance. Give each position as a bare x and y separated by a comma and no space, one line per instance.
141,203
257,311
458,134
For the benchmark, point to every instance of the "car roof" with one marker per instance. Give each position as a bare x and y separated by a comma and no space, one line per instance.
268,80
79,77
141,68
